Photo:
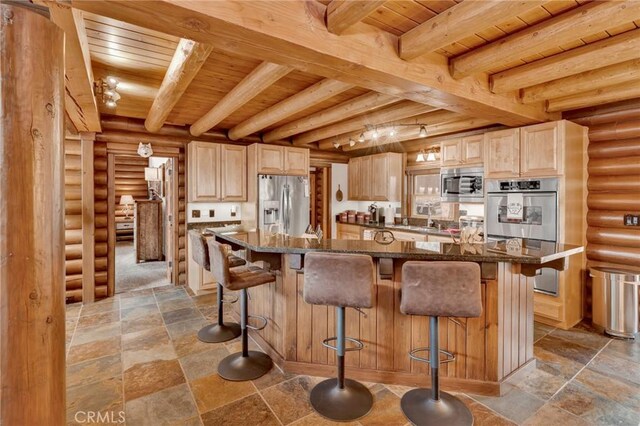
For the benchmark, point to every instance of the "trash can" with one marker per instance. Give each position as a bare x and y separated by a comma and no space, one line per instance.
615,301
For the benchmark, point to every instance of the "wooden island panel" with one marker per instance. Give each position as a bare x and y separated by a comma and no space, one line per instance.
487,349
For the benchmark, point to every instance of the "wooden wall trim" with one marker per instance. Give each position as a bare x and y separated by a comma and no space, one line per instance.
111,229
88,231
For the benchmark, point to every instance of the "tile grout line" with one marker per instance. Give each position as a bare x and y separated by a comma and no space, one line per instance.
266,403
580,371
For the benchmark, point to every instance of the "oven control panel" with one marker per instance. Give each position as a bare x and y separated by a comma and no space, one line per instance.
520,185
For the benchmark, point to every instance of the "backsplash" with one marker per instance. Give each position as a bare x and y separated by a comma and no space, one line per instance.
221,212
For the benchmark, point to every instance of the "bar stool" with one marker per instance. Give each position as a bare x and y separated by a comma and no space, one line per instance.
244,365
438,289
220,331
340,280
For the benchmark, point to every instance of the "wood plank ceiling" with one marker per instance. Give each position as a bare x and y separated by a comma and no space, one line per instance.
139,57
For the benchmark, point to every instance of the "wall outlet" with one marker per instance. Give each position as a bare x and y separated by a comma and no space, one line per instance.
212,213
631,220
195,213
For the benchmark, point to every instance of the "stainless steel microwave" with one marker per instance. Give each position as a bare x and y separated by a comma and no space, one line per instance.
462,185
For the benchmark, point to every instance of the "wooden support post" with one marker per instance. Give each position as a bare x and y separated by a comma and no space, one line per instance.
111,225
32,340
88,228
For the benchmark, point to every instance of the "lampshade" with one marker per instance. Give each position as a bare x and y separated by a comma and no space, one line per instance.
126,200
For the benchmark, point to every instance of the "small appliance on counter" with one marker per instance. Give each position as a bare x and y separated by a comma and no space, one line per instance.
377,214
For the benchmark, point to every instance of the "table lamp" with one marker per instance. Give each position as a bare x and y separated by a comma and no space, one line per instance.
126,201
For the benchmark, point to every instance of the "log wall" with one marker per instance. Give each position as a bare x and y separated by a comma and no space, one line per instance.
614,183
73,218
129,180
100,216
614,186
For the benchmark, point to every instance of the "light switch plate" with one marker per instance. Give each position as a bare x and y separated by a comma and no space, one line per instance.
212,213
631,220
195,213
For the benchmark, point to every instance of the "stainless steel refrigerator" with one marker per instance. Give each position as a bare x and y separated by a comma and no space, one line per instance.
284,200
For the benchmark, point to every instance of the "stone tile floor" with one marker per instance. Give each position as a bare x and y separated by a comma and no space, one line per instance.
136,358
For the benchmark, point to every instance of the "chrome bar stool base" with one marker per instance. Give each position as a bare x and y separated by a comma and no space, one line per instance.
239,368
349,403
422,410
216,333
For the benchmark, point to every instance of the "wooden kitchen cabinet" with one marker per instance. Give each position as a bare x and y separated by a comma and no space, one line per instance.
541,150
502,154
296,161
346,231
451,152
462,152
280,160
204,171
270,159
217,172
376,177
233,162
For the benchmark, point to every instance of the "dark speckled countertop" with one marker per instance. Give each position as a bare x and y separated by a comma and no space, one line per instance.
512,251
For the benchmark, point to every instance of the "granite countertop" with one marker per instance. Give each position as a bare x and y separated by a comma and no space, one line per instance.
512,251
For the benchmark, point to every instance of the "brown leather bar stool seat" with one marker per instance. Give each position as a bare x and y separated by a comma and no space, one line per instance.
246,364
438,289
340,280
220,331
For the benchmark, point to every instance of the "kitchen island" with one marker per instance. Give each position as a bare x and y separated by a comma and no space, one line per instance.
488,349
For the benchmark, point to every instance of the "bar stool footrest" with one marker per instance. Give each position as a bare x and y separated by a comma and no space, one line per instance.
359,345
230,299
450,357
258,328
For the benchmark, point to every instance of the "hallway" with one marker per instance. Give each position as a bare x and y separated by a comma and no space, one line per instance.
132,276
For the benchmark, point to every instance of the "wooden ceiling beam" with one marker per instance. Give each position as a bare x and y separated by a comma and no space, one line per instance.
263,76
432,130
458,22
604,95
310,96
359,105
185,64
609,51
570,26
583,82
439,116
398,111
294,33
342,14
80,101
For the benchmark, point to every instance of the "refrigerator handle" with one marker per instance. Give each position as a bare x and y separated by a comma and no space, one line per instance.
283,211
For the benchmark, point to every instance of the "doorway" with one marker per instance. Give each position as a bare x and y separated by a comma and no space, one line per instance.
320,199
143,204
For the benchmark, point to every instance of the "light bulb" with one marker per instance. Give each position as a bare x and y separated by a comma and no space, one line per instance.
392,132
423,132
112,82
110,103
336,145
375,134
361,138
351,142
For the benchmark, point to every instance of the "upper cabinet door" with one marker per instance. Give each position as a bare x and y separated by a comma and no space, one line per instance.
296,161
365,178
451,153
502,154
472,152
234,172
354,178
379,187
541,150
204,173
270,159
